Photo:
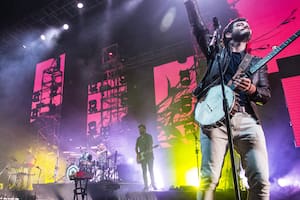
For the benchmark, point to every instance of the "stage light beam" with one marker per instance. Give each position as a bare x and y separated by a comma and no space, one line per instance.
168,20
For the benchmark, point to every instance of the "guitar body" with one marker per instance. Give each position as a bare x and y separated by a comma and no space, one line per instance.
210,110
140,157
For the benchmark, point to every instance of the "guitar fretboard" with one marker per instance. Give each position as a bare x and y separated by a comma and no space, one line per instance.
273,53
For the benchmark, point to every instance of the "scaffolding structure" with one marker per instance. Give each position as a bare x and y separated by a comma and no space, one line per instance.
53,14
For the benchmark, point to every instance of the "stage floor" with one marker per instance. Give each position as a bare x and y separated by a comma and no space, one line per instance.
128,191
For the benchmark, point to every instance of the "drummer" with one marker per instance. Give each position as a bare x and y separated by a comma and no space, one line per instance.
102,153
101,149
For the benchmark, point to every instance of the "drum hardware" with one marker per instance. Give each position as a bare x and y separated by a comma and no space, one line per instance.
95,161
4,168
39,176
105,168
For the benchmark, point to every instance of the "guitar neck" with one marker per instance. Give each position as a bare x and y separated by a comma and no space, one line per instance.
273,53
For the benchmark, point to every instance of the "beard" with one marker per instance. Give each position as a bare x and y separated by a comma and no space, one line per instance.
241,36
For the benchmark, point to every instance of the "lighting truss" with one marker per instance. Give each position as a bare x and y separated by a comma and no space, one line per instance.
56,13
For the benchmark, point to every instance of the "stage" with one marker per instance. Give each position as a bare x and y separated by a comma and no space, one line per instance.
129,191
108,191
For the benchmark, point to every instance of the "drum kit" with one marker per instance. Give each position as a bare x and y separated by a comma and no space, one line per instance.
96,161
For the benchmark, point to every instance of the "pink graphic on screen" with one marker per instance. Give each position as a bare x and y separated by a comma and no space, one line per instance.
292,97
105,105
173,84
272,22
48,86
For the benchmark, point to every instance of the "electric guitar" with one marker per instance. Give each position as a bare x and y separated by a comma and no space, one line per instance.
209,111
141,155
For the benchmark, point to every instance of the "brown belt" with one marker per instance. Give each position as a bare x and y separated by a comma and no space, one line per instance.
241,109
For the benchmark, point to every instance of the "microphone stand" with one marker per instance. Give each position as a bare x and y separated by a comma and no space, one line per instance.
40,172
197,154
229,133
215,44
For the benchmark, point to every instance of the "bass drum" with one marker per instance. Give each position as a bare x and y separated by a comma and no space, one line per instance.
71,171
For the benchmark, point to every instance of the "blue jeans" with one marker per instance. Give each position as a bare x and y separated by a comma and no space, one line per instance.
249,142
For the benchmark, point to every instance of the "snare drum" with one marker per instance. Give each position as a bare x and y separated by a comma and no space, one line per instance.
85,162
85,159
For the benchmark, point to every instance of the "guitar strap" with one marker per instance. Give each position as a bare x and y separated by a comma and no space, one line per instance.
242,67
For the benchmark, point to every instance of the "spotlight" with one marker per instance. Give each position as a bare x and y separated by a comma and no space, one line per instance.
191,177
283,182
24,46
130,161
80,5
65,26
43,37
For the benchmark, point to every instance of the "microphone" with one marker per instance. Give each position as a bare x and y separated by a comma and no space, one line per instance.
215,40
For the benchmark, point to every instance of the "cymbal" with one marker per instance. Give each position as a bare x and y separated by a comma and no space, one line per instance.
68,152
80,147
75,154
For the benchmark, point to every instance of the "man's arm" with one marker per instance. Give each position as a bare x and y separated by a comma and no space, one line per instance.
263,92
197,23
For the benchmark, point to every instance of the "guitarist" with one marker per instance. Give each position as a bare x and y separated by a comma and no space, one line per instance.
248,135
145,157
